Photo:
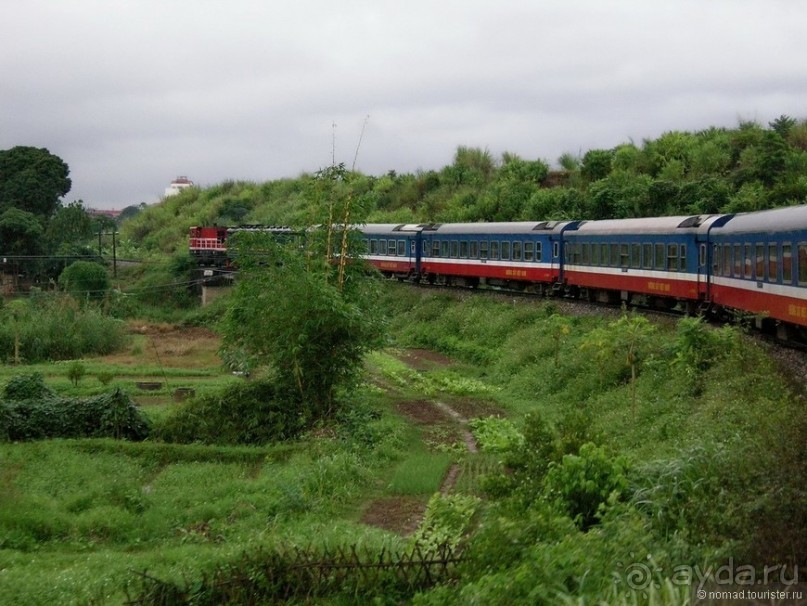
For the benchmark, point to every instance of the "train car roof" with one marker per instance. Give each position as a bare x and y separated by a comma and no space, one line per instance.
390,229
788,219
518,227
649,225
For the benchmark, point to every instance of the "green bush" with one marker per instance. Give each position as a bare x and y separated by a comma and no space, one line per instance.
249,413
47,416
584,483
85,279
27,387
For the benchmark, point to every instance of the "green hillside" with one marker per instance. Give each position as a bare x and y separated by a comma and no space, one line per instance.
751,167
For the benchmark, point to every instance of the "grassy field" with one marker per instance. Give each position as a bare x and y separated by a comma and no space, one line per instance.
709,434
80,517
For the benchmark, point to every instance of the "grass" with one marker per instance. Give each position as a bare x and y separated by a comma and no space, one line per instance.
77,516
420,473
712,451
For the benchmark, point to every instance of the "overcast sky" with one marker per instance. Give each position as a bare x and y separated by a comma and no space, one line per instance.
132,93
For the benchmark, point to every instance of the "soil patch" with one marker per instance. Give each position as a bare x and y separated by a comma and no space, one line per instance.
401,515
422,412
471,408
170,345
423,359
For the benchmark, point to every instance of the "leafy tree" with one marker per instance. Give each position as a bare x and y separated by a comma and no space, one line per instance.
288,311
782,125
85,279
32,179
131,211
632,336
596,164
569,162
21,232
69,224
308,317
472,166
76,372
17,313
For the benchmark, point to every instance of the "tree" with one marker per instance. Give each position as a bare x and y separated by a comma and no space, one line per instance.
32,179
596,164
85,279
20,232
288,312
307,309
131,211
70,224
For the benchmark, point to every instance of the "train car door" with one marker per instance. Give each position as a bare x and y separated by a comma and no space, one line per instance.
707,261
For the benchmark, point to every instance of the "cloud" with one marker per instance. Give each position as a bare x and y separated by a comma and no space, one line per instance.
131,93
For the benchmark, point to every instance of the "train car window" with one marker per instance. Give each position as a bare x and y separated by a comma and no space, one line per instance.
672,257
483,249
464,249
624,255
738,260
716,259
647,256
382,247
595,254
443,248
586,253
555,250
759,266
391,248
426,247
494,249
702,256
604,254
727,260
635,255
659,258
373,247
614,252
516,251
474,249
747,261
505,251
538,252
455,249
773,262
682,253
787,263
413,247
529,251
436,248
401,248
802,264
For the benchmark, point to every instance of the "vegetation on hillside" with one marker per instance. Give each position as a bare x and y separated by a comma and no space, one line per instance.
750,167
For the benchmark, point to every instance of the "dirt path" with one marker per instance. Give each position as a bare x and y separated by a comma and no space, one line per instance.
442,423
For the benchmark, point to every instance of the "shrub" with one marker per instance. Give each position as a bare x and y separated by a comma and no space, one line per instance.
251,413
76,372
47,416
584,483
27,387
85,279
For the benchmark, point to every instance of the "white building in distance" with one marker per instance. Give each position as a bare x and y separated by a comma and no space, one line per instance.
177,185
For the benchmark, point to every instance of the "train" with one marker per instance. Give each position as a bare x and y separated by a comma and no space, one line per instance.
752,264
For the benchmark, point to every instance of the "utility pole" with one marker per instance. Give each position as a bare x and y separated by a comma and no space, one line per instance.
113,233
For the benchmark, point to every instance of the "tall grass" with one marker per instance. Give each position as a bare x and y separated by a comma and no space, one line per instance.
57,328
